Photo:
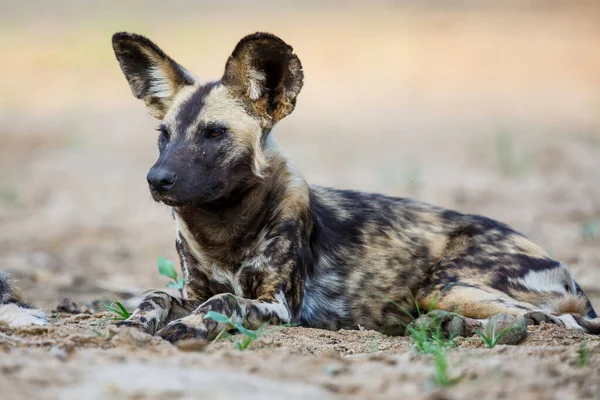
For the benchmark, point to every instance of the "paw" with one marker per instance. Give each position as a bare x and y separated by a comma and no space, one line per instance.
450,324
182,329
537,317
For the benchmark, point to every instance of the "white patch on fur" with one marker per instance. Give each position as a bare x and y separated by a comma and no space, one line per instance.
225,277
16,316
184,268
157,313
160,85
259,260
570,322
256,82
184,265
180,98
182,230
220,106
216,272
549,280
280,307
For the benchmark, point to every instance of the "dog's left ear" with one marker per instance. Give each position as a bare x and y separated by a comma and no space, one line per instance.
264,72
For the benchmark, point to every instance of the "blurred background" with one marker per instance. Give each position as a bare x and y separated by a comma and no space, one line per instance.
488,107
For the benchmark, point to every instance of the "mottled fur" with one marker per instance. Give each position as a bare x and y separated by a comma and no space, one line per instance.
13,311
259,244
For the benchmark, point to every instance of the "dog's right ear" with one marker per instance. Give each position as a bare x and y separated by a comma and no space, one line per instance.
152,75
264,72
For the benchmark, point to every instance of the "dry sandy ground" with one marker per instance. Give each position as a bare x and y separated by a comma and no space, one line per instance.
409,101
76,358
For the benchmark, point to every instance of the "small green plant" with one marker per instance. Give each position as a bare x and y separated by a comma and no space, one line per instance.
510,162
491,339
441,377
118,309
102,335
167,268
428,339
249,335
590,229
582,355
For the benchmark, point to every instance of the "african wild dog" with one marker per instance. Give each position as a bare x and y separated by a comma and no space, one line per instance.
257,243
13,311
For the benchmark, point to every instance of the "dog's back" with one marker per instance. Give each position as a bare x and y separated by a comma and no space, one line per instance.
13,311
370,250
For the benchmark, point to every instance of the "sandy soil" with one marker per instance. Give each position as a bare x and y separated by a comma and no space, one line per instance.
409,101
77,358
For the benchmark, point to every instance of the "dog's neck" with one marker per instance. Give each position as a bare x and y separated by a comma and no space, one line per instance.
228,231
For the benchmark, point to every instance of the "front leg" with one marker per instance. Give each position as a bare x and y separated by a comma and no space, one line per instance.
251,313
156,310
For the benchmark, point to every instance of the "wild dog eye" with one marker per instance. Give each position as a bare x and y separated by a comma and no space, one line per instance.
214,131
164,133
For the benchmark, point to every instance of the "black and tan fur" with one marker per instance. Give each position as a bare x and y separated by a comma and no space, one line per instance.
259,244
13,311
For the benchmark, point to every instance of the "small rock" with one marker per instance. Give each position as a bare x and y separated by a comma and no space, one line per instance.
439,315
68,306
517,328
423,322
451,324
191,344
455,326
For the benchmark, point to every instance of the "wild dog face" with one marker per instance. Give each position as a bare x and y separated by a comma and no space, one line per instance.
212,135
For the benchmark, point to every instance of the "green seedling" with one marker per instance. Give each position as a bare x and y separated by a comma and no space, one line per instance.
102,335
167,268
426,339
249,335
441,378
118,309
492,339
590,229
582,353
430,339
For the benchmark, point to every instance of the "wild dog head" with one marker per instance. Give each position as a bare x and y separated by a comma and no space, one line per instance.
212,135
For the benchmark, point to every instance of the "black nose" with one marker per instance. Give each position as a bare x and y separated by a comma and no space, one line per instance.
161,179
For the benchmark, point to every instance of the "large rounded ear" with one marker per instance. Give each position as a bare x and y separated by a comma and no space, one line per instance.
264,72
152,75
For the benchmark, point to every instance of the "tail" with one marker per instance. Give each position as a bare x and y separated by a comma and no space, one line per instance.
575,310
589,309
